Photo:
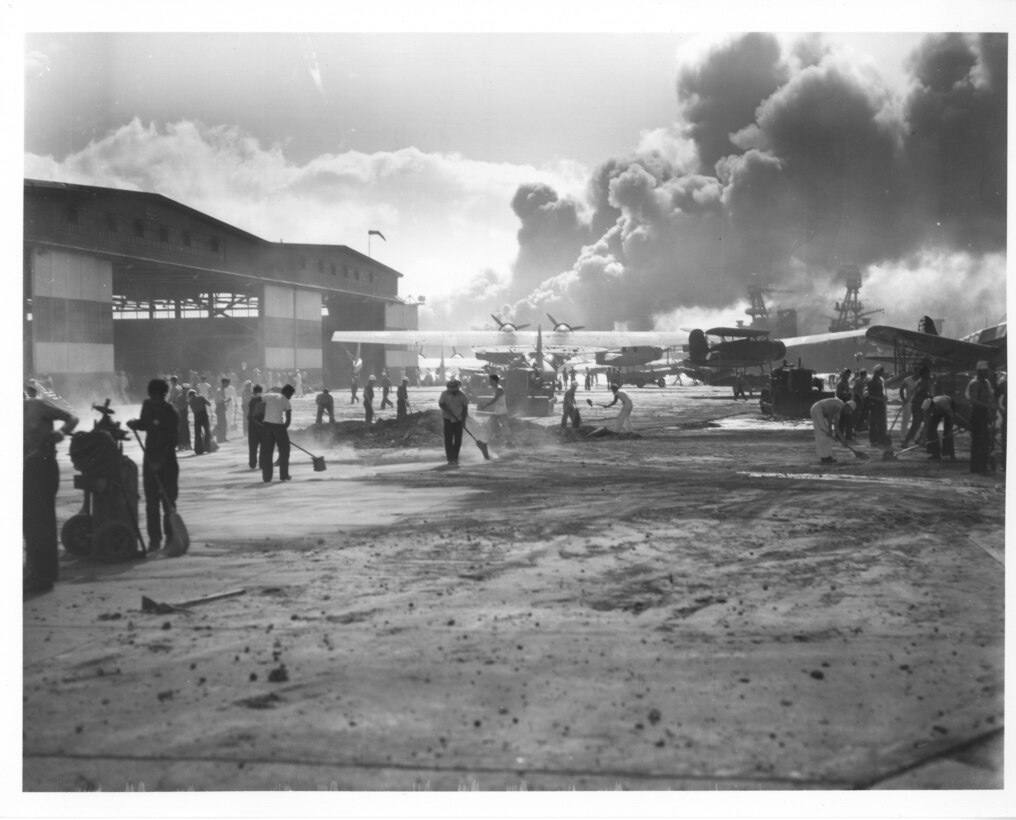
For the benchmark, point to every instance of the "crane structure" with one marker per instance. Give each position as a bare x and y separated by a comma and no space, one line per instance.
761,318
851,314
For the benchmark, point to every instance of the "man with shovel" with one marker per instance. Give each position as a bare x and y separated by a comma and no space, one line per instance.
160,470
454,408
825,418
275,431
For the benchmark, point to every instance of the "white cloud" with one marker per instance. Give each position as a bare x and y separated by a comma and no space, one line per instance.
446,218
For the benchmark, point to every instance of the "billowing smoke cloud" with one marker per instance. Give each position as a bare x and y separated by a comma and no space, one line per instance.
804,161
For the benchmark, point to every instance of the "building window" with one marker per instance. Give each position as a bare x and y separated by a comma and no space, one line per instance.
333,268
72,215
372,276
303,263
139,227
320,266
356,273
186,239
213,243
163,233
110,223
345,271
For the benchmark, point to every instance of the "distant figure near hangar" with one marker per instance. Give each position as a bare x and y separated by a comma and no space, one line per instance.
128,280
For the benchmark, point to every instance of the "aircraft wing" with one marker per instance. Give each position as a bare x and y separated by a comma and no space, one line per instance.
564,340
939,348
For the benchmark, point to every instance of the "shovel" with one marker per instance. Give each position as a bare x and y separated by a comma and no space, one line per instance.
177,539
317,461
857,453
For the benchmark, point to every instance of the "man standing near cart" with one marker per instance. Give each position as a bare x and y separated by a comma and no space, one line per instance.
161,472
41,482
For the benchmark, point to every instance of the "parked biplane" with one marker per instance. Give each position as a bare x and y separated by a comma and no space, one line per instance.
738,351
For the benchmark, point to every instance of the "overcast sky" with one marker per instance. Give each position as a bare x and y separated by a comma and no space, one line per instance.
496,164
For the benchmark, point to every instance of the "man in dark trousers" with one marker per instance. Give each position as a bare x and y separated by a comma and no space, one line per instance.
981,396
160,423
939,409
454,407
255,421
278,415
202,433
354,385
386,386
41,482
325,405
402,399
368,399
875,399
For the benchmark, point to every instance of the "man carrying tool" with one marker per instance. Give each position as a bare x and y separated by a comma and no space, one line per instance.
402,399
41,481
255,425
622,424
454,409
570,410
499,413
161,472
939,409
275,432
980,394
825,418
386,386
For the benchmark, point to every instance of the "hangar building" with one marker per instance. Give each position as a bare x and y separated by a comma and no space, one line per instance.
128,280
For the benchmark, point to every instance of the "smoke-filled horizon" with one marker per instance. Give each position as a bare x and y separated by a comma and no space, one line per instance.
786,163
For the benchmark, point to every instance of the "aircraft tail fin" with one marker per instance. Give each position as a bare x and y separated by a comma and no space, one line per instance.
927,325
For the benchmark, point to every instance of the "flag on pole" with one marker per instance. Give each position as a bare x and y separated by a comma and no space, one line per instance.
376,233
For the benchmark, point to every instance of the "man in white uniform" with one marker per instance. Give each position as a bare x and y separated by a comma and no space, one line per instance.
825,418
622,424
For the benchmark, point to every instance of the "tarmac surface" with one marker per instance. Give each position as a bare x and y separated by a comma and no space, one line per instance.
702,606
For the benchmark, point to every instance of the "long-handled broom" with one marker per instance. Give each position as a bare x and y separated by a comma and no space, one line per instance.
481,444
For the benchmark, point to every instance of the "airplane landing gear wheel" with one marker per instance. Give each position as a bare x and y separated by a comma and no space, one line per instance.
76,534
113,541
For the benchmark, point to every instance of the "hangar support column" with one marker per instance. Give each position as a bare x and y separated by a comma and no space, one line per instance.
71,335
291,329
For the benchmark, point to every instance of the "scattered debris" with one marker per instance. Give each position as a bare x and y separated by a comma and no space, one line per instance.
267,701
158,608
279,674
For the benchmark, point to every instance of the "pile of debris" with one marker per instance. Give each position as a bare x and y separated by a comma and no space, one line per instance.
422,429
426,429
